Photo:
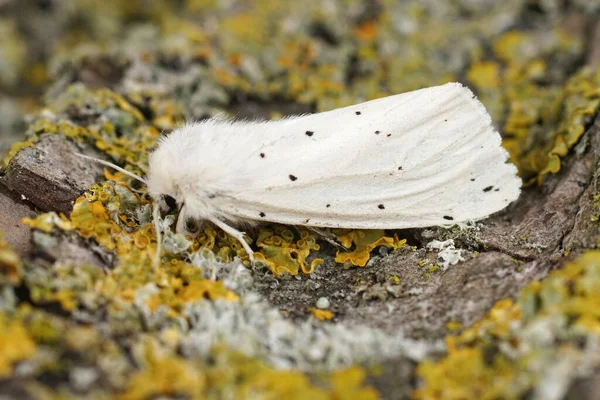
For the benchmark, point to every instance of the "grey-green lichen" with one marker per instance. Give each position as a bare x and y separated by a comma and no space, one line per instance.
536,346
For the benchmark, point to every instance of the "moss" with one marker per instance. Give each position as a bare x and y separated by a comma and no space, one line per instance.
511,351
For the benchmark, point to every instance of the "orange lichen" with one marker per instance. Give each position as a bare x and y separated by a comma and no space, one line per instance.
366,31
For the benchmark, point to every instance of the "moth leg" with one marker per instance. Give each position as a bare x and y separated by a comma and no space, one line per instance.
236,234
181,220
182,226
327,236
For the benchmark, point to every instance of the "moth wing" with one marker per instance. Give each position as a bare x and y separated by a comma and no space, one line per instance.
421,158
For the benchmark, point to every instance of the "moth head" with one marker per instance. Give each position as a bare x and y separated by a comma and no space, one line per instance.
164,178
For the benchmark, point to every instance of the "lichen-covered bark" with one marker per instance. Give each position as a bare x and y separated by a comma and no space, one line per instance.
83,313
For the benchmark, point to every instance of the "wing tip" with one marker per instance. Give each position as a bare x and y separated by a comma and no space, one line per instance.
472,99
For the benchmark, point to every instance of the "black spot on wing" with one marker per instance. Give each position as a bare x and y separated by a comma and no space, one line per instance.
328,205
487,189
399,168
381,207
389,134
357,112
377,132
309,133
293,178
262,155
262,214
449,218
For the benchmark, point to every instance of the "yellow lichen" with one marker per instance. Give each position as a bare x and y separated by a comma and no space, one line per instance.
322,315
394,279
11,267
104,216
15,344
453,325
283,254
176,294
348,384
254,379
364,241
206,289
164,375
48,221
14,149
564,112
484,75
497,357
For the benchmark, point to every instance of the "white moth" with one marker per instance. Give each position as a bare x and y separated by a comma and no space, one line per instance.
423,158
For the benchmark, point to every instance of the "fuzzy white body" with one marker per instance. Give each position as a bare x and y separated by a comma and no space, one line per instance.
422,158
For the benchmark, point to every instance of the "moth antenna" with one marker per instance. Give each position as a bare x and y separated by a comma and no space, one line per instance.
114,166
327,236
155,217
